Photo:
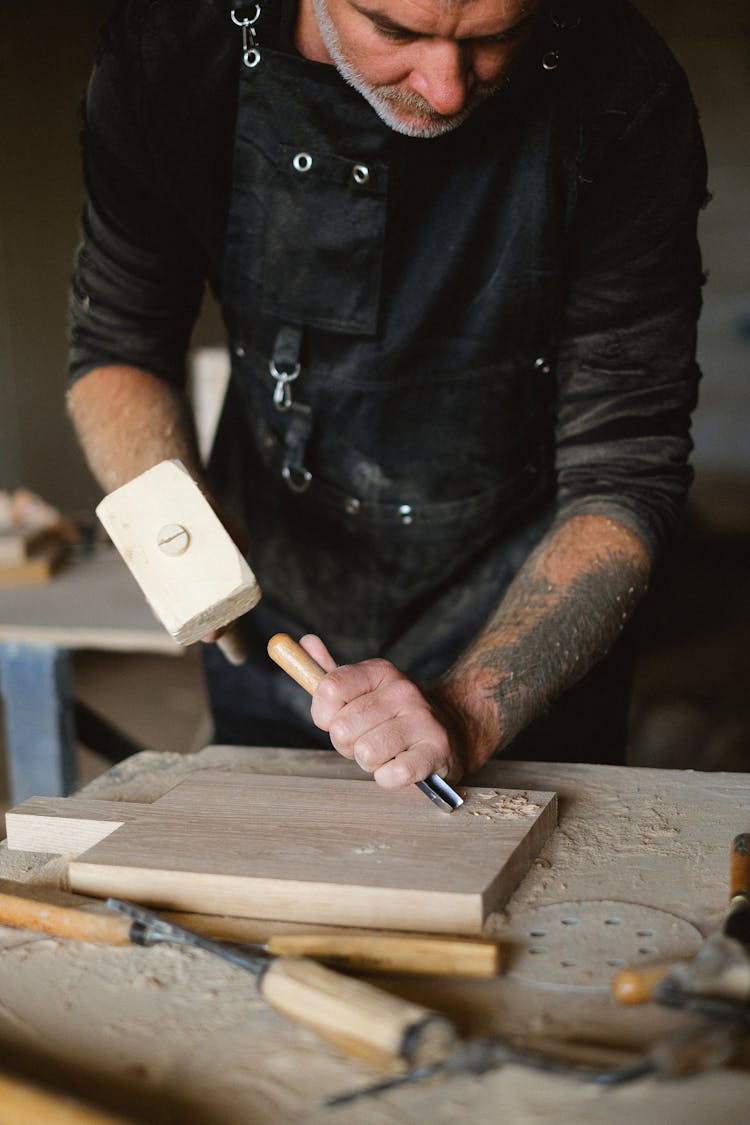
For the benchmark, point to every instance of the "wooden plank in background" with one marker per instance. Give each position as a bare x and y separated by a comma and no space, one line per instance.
315,850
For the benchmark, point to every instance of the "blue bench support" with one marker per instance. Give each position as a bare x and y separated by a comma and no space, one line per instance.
36,686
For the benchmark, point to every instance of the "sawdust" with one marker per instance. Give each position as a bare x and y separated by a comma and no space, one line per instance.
371,849
501,806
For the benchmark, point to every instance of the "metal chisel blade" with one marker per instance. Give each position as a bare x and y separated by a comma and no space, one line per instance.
444,796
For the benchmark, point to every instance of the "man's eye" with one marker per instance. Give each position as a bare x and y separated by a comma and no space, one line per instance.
395,34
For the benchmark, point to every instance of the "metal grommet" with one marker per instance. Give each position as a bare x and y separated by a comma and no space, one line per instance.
541,364
405,513
302,162
352,505
360,173
298,479
551,60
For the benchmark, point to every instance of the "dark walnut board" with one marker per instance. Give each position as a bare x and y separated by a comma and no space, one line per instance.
298,849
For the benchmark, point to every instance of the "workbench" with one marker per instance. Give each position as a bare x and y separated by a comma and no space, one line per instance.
169,1034
92,603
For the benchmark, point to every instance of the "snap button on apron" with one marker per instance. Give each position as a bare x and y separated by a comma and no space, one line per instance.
302,162
541,364
351,505
405,513
360,174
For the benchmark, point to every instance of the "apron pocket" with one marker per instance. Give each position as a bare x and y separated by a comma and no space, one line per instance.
324,234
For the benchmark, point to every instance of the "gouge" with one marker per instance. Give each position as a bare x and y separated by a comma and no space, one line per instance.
370,953
307,672
361,1020
720,968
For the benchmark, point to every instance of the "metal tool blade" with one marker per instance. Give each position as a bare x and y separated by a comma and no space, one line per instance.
444,796
149,928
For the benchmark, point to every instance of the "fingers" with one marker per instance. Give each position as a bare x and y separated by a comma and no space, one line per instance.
380,719
315,648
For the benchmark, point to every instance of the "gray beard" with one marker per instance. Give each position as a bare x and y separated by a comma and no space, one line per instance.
385,99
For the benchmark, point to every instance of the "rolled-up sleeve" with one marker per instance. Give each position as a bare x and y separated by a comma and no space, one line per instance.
627,375
138,275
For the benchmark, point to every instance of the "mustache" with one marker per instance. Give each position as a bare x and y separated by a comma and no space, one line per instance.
409,99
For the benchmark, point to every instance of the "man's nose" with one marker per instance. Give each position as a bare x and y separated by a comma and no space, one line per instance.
442,76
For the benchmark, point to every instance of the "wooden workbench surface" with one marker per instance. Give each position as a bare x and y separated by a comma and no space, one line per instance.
166,1034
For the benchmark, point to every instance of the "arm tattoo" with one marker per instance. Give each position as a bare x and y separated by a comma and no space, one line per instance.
553,636
548,632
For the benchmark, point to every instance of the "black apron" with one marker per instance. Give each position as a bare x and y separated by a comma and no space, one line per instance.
391,323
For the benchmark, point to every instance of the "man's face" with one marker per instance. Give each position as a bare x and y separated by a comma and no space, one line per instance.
423,65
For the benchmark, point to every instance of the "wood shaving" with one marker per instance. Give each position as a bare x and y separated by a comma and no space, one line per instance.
502,807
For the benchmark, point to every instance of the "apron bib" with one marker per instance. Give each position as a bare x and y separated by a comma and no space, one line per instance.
390,326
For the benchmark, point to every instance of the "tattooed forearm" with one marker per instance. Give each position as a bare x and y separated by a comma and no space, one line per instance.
561,614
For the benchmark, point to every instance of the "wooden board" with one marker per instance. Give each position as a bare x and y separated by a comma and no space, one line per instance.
39,566
18,544
298,849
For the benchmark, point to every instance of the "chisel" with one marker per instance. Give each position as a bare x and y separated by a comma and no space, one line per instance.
307,672
369,953
359,1019
721,967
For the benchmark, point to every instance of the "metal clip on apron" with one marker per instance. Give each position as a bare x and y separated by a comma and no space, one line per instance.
284,367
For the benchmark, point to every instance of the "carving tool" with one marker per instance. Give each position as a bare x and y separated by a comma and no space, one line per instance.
720,969
194,576
307,672
687,1051
357,1018
370,953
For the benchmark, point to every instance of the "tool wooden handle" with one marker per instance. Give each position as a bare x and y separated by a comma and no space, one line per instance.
22,1101
63,921
359,1019
232,644
739,868
295,661
393,953
635,986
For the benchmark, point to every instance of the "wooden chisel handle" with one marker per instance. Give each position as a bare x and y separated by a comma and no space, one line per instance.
739,868
361,1020
393,953
635,986
63,921
295,662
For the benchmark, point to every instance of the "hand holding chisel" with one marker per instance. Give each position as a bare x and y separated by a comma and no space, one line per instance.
298,664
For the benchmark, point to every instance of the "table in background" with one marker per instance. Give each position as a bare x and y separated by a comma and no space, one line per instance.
92,603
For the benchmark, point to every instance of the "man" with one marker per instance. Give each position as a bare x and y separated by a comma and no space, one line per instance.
454,245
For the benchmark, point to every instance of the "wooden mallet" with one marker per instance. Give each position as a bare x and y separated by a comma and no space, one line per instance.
189,568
